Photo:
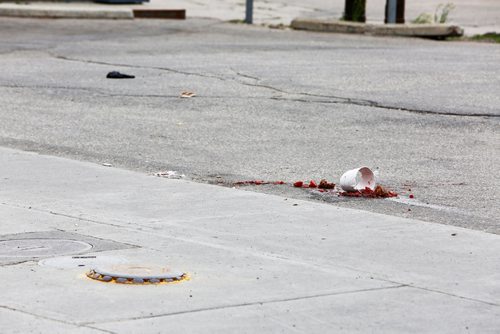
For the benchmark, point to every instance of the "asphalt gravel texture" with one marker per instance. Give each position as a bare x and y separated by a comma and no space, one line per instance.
270,104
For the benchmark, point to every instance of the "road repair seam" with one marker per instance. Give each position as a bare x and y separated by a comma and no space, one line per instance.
361,102
56,88
375,104
107,94
167,69
324,268
91,90
232,306
340,99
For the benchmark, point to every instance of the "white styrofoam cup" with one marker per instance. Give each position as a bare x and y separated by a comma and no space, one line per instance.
358,179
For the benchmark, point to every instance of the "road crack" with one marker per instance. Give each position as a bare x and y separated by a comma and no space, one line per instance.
159,68
242,79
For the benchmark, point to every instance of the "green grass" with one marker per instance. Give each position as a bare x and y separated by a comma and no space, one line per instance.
492,37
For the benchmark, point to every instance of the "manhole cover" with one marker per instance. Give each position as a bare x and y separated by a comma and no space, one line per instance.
136,274
29,248
81,261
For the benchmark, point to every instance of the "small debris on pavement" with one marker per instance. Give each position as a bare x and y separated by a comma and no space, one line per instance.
107,164
411,196
379,192
257,183
118,75
324,184
187,94
298,184
453,234
170,174
326,187
251,182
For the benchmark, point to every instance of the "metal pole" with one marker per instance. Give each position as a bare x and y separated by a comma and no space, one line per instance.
249,12
400,16
392,7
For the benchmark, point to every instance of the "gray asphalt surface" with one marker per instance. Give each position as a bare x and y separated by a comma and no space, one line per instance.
270,105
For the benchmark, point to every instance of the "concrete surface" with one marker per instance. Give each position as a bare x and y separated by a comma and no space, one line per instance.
259,263
67,11
477,16
407,30
270,104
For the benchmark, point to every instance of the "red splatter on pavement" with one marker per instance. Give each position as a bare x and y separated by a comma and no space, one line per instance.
327,187
252,182
298,184
324,184
379,192
257,183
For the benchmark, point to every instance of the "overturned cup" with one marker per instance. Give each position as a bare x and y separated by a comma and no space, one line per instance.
358,179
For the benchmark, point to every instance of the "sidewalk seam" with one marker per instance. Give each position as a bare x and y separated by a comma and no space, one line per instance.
215,308
274,257
268,256
38,316
453,295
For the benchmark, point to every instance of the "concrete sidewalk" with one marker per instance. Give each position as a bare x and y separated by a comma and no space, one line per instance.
90,10
66,11
258,263
477,17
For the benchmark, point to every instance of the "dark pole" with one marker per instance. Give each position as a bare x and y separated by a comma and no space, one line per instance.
249,12
348,8
355,10
400,15
395,11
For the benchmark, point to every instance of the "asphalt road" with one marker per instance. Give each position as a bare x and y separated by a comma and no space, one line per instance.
270,104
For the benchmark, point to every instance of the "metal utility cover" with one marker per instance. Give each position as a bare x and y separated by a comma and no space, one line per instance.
81,261
136,274
15,248
41,247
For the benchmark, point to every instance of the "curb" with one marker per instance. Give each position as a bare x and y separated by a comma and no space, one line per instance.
59,12
406,30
